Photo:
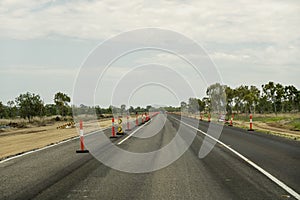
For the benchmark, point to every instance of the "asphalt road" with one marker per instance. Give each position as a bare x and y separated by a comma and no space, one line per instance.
60,173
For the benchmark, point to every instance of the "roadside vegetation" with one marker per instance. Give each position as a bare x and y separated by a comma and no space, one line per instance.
273,104
28,123
289,121
271,98
275,107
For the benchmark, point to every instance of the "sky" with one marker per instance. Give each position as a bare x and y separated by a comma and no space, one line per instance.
44,44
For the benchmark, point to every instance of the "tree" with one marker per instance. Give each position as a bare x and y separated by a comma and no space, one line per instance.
148,108
193,105
168,109
251,97
3,113
269,92
61,101
50,110
123,109
131,109
217,95
98,111
230,96
30,105
291,103
297,100
275,94
183,106
273,98
239,98
138,109
201,105
12,109
207,104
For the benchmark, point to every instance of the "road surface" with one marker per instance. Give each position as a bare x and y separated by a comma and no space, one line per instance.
59,173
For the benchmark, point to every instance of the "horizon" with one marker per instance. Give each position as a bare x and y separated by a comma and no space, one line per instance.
142,106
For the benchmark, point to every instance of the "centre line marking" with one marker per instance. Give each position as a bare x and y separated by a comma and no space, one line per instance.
133,133
257,167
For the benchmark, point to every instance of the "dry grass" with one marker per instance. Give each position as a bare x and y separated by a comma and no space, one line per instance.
283,124
269,129
280,124
41,133
17,140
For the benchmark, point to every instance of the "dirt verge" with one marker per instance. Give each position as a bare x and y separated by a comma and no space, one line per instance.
14,141
264,127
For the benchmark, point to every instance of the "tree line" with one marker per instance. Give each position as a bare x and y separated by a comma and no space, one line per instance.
29,105
271,98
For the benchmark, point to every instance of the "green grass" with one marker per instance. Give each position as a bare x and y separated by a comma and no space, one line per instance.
295,124
284,120
271,119
264,119
240,117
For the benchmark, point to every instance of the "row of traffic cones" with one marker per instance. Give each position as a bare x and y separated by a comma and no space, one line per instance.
145,118
231,121
208,117
82,149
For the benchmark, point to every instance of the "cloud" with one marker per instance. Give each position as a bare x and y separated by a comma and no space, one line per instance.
36,71
270,22
238,35
273,21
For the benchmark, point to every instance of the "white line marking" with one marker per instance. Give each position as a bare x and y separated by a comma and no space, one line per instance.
47,147
133,133
36,150
52,145
267,174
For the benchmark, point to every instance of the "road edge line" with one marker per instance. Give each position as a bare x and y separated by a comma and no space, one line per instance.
48,146
254,165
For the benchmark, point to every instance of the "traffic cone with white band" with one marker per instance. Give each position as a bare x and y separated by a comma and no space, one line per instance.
231,120
113,132
82,150
251,123
136,120
128,124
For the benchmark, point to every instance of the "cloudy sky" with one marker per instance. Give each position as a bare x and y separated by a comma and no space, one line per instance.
43,43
